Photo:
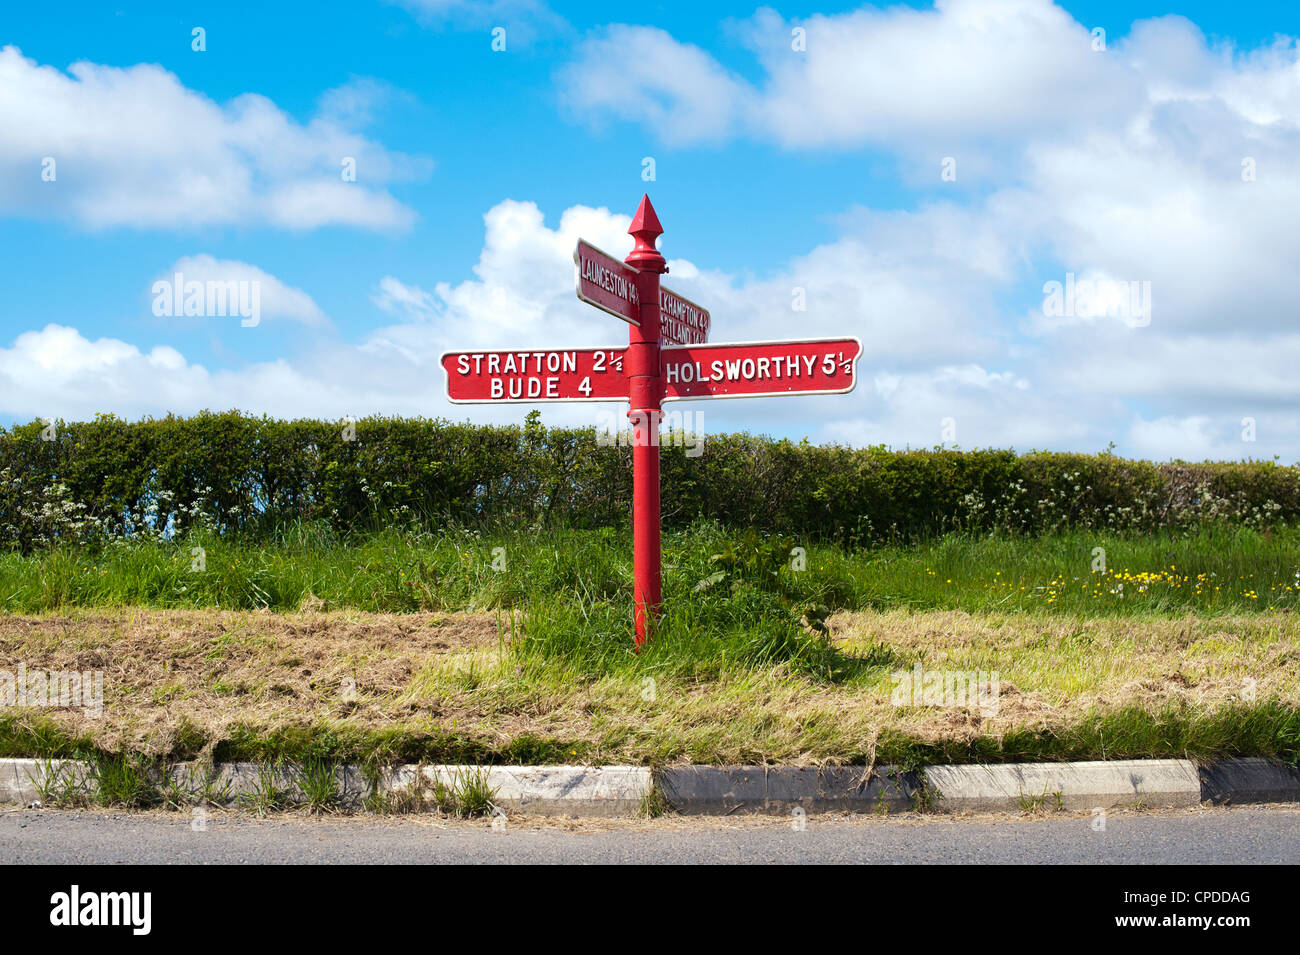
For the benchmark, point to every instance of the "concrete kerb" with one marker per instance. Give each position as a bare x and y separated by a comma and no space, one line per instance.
1151,783
1237,781
615,791
541,790
24,780
722,790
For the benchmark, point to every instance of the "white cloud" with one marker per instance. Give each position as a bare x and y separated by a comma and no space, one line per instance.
396,297
958,79
968,70
133,146
1193,438
56,372
642,73
354,104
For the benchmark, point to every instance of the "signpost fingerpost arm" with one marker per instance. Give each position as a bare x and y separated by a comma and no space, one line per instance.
645,392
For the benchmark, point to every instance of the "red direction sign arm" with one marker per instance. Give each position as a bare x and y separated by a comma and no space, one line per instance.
816,366
607,283
613,287
557,374
681,321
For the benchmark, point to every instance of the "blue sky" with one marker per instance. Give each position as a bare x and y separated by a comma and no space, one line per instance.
775,169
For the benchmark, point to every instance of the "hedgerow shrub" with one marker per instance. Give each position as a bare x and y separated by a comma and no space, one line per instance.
235,473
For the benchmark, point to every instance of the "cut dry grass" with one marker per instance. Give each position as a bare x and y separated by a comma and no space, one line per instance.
167,673
466,688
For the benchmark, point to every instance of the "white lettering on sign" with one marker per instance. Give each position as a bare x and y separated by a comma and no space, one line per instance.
681,321
517,364
531,387
609,280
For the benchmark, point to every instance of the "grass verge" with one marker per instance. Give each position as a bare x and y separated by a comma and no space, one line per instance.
550,687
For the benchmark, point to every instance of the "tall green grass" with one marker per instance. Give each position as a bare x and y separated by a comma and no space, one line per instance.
588,574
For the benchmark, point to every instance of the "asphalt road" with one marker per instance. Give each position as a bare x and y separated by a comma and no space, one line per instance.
1218,836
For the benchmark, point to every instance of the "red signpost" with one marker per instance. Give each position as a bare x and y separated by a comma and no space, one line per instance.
645,389
645,374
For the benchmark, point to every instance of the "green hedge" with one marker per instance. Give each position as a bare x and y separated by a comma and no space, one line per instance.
248,474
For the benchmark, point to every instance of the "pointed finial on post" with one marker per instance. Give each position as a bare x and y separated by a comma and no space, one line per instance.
645,228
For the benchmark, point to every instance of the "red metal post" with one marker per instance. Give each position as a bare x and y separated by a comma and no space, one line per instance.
645,389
